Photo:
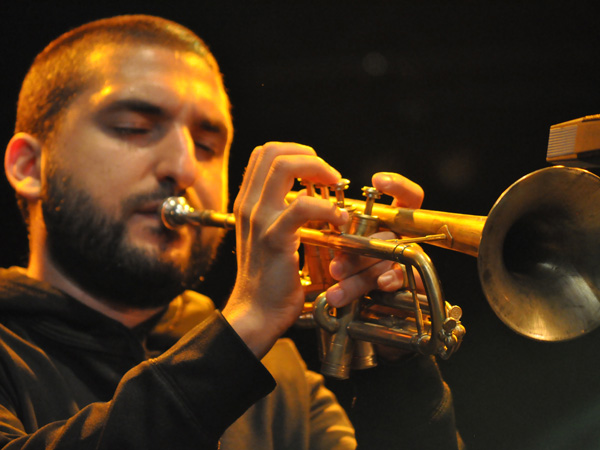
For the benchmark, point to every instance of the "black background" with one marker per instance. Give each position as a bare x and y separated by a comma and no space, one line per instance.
458,96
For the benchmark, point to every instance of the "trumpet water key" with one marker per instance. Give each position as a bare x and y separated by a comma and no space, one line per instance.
537,254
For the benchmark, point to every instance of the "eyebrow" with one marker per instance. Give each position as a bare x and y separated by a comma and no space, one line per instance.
136,105
211,126
148,108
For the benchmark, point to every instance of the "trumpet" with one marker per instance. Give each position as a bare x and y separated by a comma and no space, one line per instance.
536,250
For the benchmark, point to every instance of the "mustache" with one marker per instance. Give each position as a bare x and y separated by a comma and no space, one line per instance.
142,200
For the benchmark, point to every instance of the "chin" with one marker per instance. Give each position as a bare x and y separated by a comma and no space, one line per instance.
157,239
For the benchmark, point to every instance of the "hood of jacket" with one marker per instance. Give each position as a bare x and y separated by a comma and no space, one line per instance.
61,317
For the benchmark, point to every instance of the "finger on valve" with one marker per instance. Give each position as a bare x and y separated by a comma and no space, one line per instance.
267,294
406,193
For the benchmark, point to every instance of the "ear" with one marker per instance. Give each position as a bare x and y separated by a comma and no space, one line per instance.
22,163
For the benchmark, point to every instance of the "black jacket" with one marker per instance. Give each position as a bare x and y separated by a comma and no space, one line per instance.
72,378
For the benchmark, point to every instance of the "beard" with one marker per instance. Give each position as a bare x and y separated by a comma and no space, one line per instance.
91,248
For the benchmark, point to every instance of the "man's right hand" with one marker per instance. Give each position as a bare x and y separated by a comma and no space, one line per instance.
267,297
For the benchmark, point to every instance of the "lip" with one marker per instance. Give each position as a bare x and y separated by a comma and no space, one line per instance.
149,211
150,208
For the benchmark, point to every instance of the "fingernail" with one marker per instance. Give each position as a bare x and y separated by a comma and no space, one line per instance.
334,268
384,180
335,295
343,214
385,279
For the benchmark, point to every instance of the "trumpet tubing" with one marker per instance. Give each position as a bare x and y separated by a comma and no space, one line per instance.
537,253
462,232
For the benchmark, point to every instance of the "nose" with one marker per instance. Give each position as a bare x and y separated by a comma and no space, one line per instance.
177,162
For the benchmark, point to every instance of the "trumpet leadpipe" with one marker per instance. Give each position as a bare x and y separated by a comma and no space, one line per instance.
176,212
462,231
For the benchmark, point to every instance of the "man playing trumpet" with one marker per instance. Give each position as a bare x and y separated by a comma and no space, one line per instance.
113,117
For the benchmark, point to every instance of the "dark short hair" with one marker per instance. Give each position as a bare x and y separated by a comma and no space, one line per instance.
60,73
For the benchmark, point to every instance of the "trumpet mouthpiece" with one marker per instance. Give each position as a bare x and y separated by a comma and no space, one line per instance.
173,212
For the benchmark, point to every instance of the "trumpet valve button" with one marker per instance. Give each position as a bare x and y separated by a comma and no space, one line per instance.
308,185
371,194
339,189
324,190
449,324
455,312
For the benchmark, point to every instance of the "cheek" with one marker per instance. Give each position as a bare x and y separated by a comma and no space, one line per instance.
109,184
211,185
96,162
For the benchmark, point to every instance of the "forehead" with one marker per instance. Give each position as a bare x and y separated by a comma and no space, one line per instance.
171,79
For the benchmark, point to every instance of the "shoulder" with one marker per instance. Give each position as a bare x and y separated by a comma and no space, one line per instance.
184,313
290,372
284,357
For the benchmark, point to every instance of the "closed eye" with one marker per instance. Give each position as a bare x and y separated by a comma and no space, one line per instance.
131,119
130,131
205,147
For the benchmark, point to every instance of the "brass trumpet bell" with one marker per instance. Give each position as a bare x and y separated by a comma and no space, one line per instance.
537,250
539,257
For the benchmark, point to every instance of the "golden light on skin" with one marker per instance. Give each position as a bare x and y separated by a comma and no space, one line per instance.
200,90
100,55
199,63
192,196
192,60
203,90
184,86
104,92
200,87
224,177
97,55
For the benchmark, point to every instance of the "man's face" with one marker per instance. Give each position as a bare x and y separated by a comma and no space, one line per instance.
156,125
